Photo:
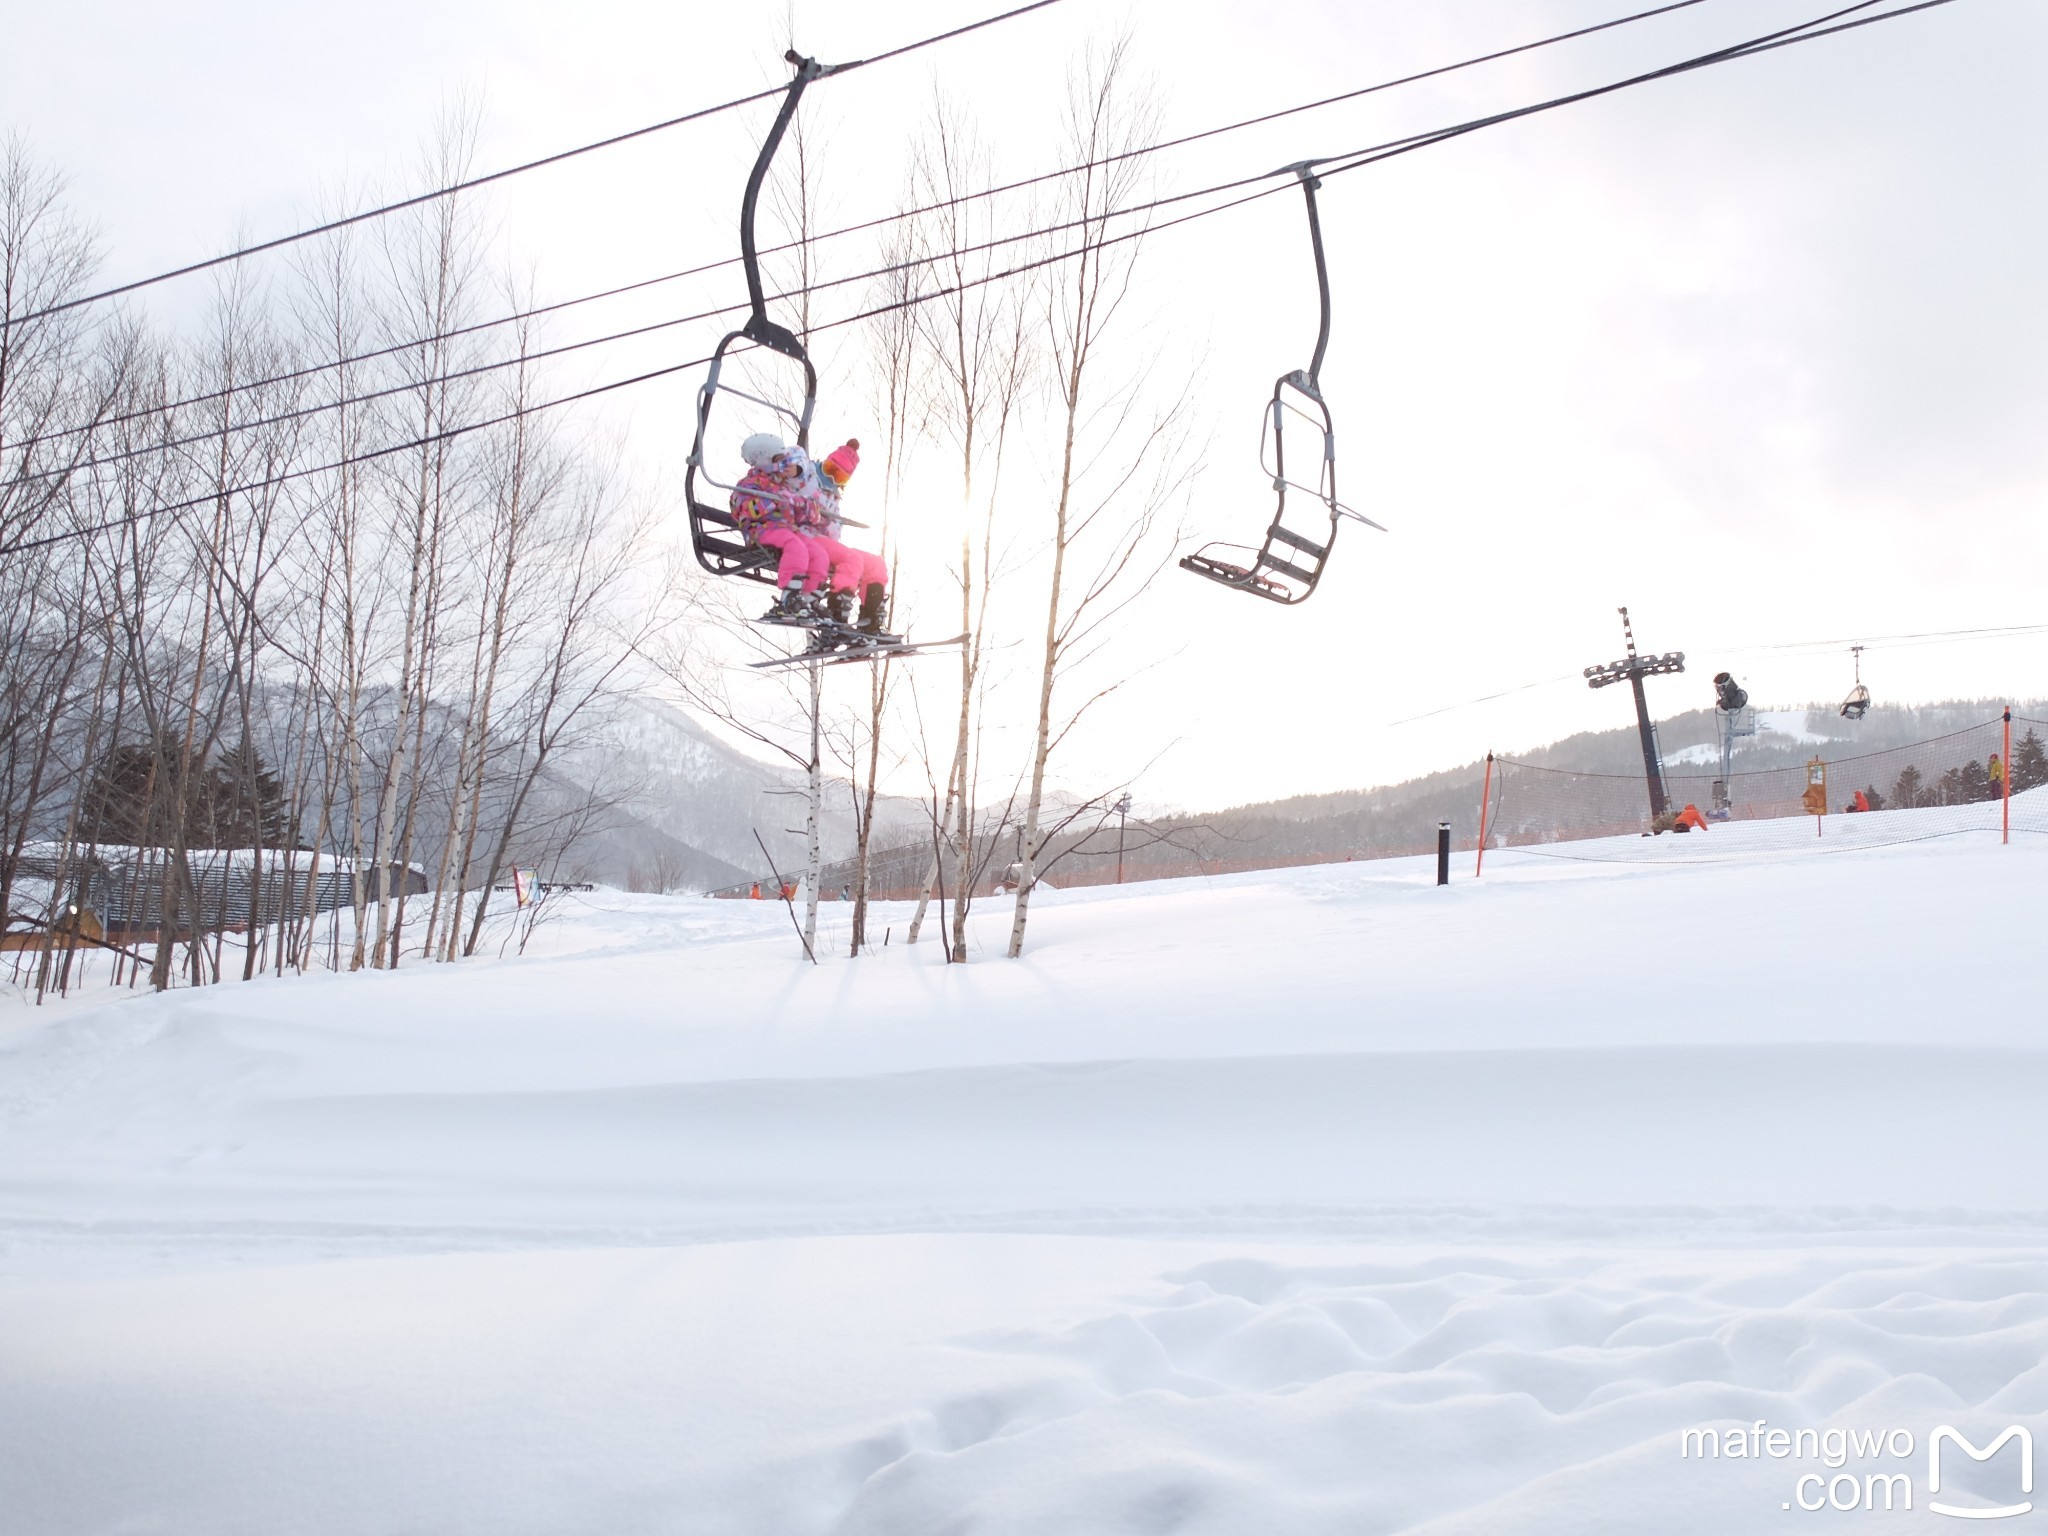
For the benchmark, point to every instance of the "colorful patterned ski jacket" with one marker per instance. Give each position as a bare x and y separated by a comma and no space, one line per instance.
772,496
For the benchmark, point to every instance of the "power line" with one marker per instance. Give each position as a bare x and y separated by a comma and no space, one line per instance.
1781,38
516,170
869,224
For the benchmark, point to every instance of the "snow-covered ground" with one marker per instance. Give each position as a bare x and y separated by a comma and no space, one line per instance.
1318,1200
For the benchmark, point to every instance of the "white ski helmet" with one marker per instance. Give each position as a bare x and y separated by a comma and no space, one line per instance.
760,448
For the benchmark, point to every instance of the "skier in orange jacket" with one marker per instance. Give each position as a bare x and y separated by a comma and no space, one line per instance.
1690,820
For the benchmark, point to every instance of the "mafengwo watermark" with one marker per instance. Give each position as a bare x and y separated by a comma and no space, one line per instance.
1873,1469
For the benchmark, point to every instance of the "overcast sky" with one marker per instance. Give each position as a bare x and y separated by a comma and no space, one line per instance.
1756,351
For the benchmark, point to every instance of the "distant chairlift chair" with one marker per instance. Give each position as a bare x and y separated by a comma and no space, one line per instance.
1857,704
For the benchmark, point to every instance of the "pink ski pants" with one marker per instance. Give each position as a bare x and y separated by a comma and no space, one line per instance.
803,559
853,570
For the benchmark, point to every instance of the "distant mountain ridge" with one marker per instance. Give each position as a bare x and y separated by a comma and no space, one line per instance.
704,799
690,804
1402,817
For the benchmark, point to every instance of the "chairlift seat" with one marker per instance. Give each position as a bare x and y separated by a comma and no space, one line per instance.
1246,576
723,547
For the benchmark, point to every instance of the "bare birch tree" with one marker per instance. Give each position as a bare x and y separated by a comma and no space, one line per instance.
977,337
892,359
1117,450
433,261
51,393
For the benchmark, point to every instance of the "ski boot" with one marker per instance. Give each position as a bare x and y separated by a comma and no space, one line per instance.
870,626
794,606
839,609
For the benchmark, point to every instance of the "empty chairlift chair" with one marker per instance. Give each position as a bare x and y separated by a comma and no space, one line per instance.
1289,561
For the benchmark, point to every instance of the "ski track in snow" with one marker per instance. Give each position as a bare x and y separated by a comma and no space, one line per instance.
1315,1200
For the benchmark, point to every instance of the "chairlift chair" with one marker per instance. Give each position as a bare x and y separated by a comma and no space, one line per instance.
721,547
1857,704
1289,561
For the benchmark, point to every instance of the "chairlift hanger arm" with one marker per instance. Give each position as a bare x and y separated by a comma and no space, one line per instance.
1306,171
722,546
759,327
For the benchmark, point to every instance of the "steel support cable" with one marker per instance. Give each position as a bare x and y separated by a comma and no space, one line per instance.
1784,38
515,170
1779,39
432,439
940,206
298,413
1387,149
220,494
1413,141
1912,639
1357,159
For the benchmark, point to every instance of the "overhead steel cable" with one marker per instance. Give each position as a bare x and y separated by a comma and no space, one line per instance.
428,440
1892,642
473,182
214,433
1781,38
368,455
1804,32
1910,640
904,215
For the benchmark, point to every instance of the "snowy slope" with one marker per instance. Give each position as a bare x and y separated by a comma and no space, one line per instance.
1314,1200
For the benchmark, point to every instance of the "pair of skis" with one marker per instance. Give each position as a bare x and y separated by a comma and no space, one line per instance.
834,645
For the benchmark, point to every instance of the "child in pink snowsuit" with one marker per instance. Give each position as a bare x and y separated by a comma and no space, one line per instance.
772,505
854,571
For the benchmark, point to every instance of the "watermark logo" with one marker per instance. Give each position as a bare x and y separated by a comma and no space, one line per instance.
1946,1435
1843,1488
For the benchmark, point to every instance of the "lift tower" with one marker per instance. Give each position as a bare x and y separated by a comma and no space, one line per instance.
1635,668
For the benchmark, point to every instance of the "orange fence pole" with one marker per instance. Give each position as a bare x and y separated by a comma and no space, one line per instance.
2005,783
1486,801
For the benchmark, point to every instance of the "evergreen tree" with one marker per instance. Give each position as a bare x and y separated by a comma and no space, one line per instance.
248,800
1876,800
1948,789
1976,782
1906,792
2029,766
137,795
